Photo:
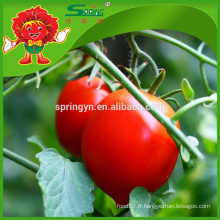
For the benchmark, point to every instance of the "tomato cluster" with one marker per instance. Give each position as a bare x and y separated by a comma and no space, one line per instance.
122,149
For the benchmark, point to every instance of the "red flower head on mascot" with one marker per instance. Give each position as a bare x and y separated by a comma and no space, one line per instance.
35,28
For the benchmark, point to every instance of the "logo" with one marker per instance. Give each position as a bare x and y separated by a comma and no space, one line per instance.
82,10
35,28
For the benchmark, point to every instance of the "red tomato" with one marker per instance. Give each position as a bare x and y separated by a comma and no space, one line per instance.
70,123
126,149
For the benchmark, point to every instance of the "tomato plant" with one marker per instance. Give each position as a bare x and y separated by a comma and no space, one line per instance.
136,159
82,96
134,149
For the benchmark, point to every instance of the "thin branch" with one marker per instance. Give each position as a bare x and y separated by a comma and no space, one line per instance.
15,86
134,64
139,53
163,37
8,79
50,69
20,160
201,47
171,93
23,82
208,90
187,107
174,101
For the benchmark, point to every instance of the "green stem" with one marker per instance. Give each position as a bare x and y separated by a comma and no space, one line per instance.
201,47
208,90
170,93
122,213
192,104
174,101
140,53
20,160
38,80
151,63
50,69
93,51
134,63
23,82
100,44
141,67
163,37
8,79
156,83
15,86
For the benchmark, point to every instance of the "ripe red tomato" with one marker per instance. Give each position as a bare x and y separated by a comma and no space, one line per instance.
70,123
126,149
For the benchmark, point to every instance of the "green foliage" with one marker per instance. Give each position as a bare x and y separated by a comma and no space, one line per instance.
133,77
198,187
65,67
36,116
139,201
35,140
66,186
188,91
184,154
105,203
109,80
96,68
156,83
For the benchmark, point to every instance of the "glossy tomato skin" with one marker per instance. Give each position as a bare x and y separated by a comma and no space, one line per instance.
127,149
70,123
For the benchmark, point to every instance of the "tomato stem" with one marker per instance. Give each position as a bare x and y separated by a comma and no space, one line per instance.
139,53
168,39
20,160
170,93
15,86
208,90
187,107
23,82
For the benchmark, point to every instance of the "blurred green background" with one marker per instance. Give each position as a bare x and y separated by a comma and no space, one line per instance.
30,112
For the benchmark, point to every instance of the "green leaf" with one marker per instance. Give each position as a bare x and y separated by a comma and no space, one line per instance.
35,140
105,203
80,75
188,92
74,62
95,71
197,187
185,155
134,78
139,202
85,67
207,125
109,80
210,146
141,67
156,83
66,186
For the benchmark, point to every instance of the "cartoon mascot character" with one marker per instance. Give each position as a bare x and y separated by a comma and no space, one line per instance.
35,28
